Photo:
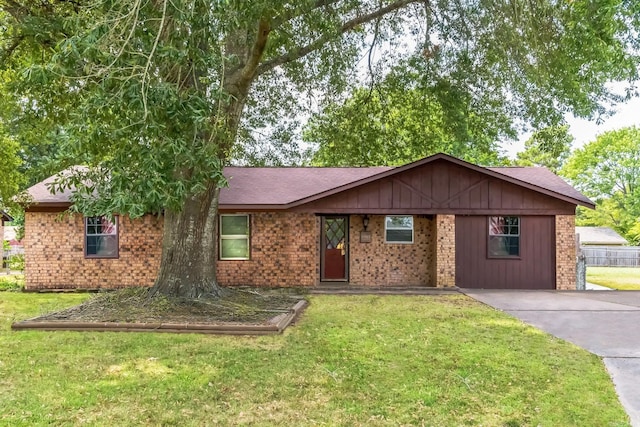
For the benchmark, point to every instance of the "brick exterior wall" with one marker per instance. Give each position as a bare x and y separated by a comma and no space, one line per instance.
391,264
565,252
54,253
284,252
445,249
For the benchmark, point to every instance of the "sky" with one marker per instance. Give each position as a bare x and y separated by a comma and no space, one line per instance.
584,131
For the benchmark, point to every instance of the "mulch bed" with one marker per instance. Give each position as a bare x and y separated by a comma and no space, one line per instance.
238,311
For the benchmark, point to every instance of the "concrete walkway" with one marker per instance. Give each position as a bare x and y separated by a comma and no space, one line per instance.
594,287
605,323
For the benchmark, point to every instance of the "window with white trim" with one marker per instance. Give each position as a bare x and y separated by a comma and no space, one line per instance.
398,229
234,237
101,237
504,236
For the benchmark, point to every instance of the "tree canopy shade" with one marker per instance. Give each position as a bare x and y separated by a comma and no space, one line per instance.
154,95
392,124
485,71
608,170
10,177
549,147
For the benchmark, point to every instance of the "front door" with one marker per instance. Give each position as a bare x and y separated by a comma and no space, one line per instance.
335,248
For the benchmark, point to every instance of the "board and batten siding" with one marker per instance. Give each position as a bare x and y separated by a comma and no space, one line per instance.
533,269
440,188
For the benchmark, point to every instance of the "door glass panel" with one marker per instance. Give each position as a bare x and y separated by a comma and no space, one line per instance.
334,231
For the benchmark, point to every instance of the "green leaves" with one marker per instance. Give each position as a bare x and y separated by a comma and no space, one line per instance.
548,147
608,170
156,97
11,179
398,122
608,165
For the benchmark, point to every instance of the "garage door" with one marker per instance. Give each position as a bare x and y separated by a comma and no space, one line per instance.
532,268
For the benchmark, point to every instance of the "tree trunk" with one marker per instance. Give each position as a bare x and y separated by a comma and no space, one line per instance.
190,244
190,250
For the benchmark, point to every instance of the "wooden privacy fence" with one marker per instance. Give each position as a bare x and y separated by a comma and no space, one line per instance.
612,256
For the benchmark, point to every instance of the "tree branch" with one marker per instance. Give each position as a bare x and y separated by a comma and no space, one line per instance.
249,69
299,52
13,8
146,75
6,54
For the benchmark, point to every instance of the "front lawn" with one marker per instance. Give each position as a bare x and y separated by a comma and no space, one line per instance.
350,360
622,278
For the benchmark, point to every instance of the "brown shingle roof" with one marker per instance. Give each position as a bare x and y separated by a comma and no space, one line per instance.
41,194
281,187
545,179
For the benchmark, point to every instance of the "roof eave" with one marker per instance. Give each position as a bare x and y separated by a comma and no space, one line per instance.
5,216
252,207
47,206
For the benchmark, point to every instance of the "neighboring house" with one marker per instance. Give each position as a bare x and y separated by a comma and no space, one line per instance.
600,236
603,247
4,217
15,245
437,222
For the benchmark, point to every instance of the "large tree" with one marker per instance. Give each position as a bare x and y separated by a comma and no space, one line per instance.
549,147
153,95
399,121
608,170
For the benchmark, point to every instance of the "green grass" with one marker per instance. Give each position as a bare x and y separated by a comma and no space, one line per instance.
622,278
349,361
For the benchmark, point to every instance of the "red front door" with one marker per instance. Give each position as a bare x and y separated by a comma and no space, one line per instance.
335,247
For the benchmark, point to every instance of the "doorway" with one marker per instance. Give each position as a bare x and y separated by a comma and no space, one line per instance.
335,248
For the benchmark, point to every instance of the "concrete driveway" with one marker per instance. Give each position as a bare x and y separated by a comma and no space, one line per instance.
606,323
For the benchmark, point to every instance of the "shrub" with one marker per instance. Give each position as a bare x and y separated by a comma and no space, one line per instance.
12,282
16,262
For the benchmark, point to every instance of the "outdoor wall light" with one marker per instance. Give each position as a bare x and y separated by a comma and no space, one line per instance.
365,222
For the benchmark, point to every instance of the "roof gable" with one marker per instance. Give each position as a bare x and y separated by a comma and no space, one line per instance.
438,186
538,179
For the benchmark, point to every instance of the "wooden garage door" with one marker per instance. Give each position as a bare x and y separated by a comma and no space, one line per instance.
533,269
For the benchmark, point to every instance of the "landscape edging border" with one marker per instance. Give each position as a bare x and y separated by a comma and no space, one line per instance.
275,325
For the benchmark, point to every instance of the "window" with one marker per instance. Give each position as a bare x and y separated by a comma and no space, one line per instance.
234,237
504,236
398,229
101,237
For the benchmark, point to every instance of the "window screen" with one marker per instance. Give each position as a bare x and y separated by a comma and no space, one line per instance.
234,237
398,229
